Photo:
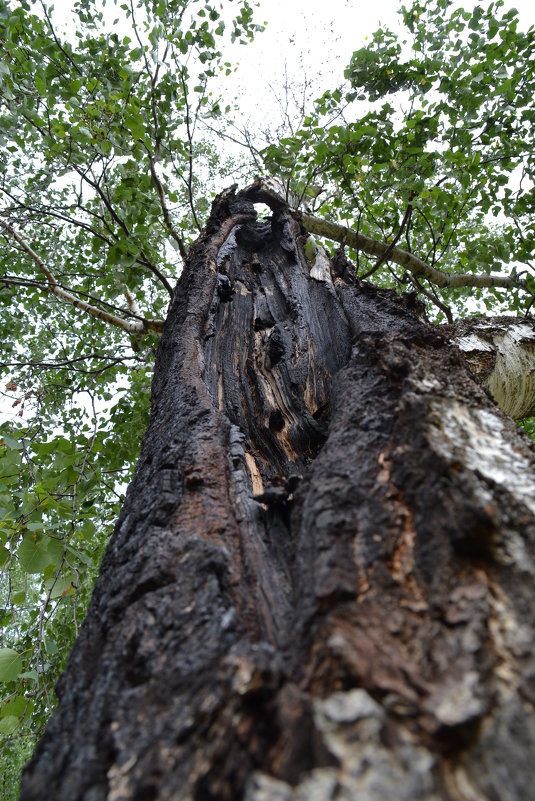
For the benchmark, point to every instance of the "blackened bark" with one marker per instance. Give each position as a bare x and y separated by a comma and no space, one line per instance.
321,584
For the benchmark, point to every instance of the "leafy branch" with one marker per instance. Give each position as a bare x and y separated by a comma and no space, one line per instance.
142,258
131,326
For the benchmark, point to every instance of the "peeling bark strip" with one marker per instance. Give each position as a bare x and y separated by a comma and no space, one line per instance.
322,581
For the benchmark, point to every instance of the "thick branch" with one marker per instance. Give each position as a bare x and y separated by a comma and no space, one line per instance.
137,326
419,268
266,192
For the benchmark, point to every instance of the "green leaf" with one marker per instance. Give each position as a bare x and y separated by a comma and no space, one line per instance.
4,556
16,706
135,125
40,84
11,442
29,674
530,283
8,724
36,552
60,587
10,664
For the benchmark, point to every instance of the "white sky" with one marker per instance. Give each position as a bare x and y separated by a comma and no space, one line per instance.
325,33
313,39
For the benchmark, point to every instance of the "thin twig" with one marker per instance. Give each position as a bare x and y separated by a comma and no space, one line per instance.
190,150
385,256
165,210
143,258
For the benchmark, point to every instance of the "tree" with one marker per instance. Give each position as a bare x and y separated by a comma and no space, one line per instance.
269,619
319,581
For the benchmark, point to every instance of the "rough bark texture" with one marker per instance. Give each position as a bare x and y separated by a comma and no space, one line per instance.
321,584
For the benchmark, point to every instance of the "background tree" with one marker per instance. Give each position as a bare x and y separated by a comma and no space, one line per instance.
104,186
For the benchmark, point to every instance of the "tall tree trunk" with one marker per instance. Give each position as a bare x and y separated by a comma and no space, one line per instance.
322,581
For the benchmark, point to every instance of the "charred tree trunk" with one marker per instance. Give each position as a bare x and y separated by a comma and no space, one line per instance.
322,582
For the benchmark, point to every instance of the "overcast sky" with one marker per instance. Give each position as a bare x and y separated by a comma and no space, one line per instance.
325,32
316,38
313,39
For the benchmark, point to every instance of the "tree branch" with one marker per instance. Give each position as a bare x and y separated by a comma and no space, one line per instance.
144,259
154,158
419,268
165,211
190,150
263,191
12,280
57,213
432,297
67,55
132,326
391,246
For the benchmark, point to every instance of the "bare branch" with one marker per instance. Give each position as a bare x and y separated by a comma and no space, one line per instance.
433,298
